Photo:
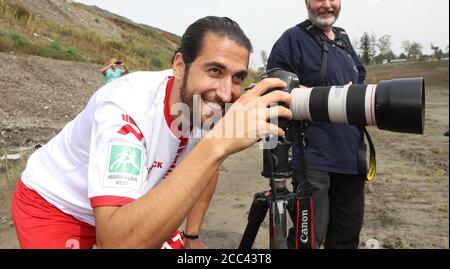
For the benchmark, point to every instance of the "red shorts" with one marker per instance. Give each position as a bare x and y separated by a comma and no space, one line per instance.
40,224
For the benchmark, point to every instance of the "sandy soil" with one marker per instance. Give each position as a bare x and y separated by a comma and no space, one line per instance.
406,205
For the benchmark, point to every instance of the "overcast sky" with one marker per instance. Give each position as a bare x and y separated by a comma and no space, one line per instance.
265,20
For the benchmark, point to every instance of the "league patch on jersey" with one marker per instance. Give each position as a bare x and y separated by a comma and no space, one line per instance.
125,166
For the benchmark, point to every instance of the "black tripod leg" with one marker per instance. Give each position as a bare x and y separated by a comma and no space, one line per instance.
278,229
256,216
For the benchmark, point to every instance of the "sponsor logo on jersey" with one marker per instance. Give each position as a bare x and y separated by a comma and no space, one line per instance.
125,166
157,165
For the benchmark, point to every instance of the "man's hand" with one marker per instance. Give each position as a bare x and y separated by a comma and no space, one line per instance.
125,67
194,244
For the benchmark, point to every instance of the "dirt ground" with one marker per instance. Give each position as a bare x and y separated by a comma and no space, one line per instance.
406,204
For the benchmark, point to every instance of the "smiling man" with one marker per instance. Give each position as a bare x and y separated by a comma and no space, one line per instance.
122,174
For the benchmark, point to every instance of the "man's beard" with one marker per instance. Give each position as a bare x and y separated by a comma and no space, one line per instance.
186,96
323,23
194,102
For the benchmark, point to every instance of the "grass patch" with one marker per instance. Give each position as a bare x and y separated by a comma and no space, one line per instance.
434,73
19,40
10,171
9,176
11,40
6,43
116,44
57,51
141,47
156,62
144,52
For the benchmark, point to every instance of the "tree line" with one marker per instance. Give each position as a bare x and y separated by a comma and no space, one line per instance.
373,50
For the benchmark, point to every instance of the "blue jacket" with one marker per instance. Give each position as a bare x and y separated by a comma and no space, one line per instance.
330,147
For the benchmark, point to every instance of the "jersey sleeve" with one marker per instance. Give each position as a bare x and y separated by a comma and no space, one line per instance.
117,161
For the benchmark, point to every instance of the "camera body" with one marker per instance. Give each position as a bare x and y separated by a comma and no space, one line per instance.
292,82
291,79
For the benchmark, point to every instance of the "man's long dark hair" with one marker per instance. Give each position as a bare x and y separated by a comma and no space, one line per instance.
191,41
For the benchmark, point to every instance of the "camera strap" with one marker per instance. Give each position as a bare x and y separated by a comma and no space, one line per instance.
373,158
323,41
304,216
304,208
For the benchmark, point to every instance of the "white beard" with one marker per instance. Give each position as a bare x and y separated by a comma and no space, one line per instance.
320,22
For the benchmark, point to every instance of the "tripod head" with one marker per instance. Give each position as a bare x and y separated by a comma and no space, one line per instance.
277,166
276,161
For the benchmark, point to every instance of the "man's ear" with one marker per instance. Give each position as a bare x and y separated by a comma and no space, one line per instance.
178,66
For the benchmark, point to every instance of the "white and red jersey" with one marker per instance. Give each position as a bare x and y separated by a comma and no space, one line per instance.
117,149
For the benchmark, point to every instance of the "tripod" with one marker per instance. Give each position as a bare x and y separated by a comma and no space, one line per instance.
280,201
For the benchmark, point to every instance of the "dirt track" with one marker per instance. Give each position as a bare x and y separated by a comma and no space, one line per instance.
406,205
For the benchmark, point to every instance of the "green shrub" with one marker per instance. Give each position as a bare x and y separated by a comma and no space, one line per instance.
156,62
144,52
56,51
19,40
73,54
117,44
149,32
55,46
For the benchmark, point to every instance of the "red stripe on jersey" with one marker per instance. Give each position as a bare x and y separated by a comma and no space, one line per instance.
110,200
130,120
177,133
183,143
126,129
169,120
167,103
